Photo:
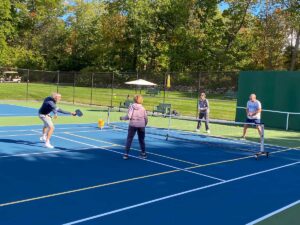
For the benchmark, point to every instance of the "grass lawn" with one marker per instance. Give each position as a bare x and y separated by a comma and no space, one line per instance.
182,102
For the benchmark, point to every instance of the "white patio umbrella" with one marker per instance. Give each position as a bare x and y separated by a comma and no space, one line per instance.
141,82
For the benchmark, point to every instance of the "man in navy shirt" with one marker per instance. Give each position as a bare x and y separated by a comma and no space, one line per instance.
48,106
203,107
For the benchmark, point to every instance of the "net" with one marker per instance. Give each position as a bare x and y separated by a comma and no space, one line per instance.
223,134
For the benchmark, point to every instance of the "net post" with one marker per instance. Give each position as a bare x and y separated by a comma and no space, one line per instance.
262,138
108,116
287,121
169,126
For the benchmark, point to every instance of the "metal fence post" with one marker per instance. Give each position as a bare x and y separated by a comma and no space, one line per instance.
165,84
198,93
92,83
27,85
57,81
112,89
74,75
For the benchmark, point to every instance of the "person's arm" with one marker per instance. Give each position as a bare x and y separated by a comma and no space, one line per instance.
146,118
56,110
63,111
247,109
258,110
199,106
129,114
207,107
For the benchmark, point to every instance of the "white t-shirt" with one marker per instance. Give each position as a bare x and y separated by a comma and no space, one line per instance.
254,107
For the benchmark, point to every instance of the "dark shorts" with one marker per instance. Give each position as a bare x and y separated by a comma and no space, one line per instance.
255,121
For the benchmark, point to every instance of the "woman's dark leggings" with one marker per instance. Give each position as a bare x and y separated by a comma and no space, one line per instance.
141,135
205,116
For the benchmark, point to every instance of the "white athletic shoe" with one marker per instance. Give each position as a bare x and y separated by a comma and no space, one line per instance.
197,130
208,131
43,139
48,145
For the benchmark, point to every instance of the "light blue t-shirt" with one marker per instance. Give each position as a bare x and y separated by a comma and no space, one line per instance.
253,107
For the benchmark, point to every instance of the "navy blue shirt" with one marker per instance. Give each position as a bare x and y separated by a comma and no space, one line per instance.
49,105
203,105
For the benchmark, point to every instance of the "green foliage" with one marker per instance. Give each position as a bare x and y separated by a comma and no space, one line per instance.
146,35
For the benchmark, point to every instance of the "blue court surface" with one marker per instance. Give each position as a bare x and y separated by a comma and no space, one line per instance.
13,110
7,110
84,180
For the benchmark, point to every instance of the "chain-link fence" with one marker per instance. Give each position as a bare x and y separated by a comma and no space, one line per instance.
180,90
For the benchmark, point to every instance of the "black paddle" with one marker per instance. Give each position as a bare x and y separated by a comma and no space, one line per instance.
78,113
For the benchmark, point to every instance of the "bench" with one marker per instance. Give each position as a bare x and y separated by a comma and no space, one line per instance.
125,105
230,94
162,108
152,91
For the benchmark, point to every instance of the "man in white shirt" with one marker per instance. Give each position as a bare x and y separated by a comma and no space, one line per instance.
253,114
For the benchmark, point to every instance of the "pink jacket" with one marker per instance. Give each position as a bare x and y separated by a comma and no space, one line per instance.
136,115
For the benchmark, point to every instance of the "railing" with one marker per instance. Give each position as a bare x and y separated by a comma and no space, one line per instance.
279,112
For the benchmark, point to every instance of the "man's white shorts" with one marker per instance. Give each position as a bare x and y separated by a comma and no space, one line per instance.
47,120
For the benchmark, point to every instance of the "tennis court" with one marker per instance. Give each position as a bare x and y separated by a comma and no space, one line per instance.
13,110
84,180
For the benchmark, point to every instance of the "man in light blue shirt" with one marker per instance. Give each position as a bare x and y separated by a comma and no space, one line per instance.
253,114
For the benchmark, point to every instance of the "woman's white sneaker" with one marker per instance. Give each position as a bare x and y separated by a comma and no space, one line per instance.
48,145
43,138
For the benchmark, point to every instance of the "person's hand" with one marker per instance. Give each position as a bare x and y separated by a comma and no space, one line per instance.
73,113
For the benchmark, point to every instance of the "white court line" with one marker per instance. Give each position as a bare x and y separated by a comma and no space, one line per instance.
273,213
177,194
111,144
53,151
150,153
20,135
74,127
151,161
227,140
100,141
17,115
57,128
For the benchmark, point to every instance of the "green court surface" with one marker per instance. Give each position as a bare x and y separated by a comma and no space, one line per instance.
93,113
289,215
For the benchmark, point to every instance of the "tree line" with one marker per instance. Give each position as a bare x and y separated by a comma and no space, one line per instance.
150,35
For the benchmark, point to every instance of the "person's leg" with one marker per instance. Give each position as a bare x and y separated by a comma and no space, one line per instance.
201,116
206,117
199,122
49,134
45,131
141,134
245,131
50,130
130,136
45,128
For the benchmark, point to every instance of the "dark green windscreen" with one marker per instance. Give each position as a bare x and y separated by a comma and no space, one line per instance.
277,90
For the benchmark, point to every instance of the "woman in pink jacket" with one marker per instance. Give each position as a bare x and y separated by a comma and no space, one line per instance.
138,120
